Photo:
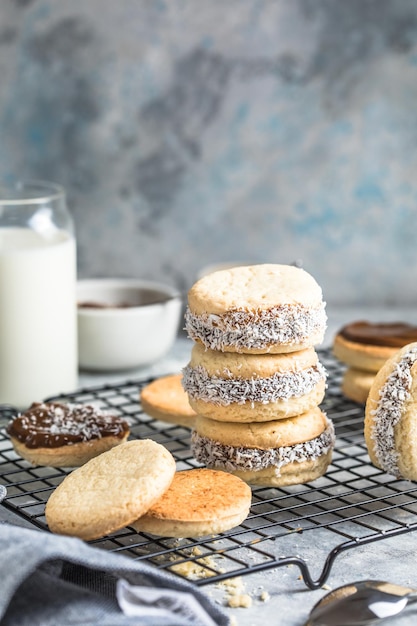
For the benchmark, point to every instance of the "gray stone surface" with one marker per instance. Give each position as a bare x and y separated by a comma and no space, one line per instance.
192,132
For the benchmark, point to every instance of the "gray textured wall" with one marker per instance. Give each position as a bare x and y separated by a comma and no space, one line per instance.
188,132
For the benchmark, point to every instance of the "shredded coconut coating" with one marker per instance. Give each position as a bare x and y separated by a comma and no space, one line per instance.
230,458
388,412
200,385
285,324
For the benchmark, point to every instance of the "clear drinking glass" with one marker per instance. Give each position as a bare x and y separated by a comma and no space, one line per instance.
38,322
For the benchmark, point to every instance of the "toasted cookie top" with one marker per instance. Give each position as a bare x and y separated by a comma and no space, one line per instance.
202,495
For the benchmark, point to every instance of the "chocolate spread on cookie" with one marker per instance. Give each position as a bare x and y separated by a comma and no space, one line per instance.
53,424
395,334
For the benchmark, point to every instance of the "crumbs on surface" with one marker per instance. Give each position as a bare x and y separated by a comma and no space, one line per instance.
235,593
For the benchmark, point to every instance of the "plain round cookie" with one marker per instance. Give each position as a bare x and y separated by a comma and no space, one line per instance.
283,452
55,434
110,491
356,384
256,309
199,502
367,345
165,399
391,415
232,387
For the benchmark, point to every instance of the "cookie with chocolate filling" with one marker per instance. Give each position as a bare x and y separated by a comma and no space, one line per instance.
367,345
65,435
256,309
199,502
276,453
233,387
390,415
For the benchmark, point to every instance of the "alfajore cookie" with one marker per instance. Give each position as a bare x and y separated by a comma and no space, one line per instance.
110,491
165,399
199,502
65,435
233,387
367,345
282,452
256,309
391,416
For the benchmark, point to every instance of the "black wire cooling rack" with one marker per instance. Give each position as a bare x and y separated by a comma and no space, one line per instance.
352,505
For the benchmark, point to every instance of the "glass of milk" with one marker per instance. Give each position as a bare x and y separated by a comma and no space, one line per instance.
38,309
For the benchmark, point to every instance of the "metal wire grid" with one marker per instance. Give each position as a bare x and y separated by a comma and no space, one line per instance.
353,504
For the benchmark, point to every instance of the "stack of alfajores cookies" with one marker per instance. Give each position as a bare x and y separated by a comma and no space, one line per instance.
254,378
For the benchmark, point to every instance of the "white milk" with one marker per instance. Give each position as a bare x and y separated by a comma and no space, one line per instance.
38,323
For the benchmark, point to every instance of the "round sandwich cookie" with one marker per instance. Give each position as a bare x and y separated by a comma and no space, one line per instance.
165,399
367,345
356,384
390,415
277,453
111,491
65,435
198,503
233,387
256,309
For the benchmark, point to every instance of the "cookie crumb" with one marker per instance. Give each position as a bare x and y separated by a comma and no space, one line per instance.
235,596
241,601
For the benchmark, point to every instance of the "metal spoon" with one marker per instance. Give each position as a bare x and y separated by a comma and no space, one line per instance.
362,602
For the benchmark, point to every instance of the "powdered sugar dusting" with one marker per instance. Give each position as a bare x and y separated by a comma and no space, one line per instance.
285,324
389,410
200,385
230,458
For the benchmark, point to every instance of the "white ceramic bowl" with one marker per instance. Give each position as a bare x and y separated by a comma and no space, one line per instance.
125,323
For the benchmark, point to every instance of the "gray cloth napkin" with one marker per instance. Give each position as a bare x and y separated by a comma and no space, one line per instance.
49,580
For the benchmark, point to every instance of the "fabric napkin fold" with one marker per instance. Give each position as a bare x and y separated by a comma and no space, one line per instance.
50,580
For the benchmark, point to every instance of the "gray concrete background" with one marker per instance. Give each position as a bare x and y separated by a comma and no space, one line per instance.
242,130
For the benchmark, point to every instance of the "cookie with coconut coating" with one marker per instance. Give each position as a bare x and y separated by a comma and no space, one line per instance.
277,453
256,309
390,415
199,502
234,387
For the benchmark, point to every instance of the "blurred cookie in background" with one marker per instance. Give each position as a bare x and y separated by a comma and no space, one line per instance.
164,399
364,347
